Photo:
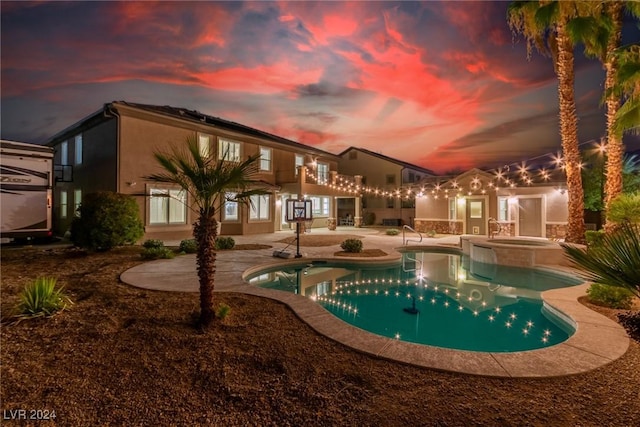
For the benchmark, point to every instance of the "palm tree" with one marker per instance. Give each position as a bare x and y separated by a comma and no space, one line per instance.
599,27
544,26
627,84
208,183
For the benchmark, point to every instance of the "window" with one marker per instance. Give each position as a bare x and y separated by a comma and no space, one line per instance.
503,209
453,212
78,149
63,204
77,200
204,145
391,179
412,177
260,206
230,208
229,150
265,159
391,203
167,207
475,209
320,206
299,162
323,172
64,153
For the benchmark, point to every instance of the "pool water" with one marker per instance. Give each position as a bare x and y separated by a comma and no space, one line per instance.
431,298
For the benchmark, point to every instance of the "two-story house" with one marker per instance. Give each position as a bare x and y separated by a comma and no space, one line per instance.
383,178
113,149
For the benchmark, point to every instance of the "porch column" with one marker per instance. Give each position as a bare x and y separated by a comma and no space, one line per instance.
332,221
357,218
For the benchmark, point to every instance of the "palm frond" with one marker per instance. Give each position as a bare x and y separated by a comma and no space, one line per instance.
615,261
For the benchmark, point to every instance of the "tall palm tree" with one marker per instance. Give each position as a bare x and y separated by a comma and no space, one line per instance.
599,27
627,84
544,26
208,183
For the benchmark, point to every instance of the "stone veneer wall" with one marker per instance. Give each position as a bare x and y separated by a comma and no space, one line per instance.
556,231
439,226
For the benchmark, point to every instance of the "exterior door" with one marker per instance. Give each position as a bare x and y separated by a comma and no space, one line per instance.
476,216
530,217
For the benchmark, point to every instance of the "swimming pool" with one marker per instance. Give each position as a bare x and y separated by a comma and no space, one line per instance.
432,298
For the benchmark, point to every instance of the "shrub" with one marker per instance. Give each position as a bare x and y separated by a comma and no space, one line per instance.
369,218
223,311
42,298
106,220
392,232
431,233
157,253
615,261
189,246
225,243
625,208
153,244
594,238
610,296
352,245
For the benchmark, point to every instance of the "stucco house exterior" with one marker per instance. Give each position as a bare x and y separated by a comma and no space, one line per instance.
112,149
382,179
477,202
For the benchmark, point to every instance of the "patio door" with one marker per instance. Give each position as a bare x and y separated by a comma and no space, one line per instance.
530,217
476,216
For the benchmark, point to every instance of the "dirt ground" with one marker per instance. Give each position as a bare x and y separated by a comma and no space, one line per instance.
127,356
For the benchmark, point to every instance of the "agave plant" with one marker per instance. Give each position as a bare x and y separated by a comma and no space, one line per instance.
42,298
615,261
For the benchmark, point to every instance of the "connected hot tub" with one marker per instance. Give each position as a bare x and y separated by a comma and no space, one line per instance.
516,251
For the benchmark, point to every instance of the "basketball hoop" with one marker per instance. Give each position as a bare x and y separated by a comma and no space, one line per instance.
299,211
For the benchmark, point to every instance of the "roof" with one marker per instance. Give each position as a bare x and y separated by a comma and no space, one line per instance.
194,115
186,114
389,159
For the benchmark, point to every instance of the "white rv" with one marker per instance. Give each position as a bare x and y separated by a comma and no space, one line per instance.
26,182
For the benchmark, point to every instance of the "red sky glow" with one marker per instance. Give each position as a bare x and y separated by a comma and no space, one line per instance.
443,85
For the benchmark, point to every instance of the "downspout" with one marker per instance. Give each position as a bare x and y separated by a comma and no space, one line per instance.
109,111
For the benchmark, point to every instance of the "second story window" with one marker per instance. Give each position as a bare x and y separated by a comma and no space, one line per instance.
265,159
64,153
228,150
391,179
204,145
323,172
299,162
78,149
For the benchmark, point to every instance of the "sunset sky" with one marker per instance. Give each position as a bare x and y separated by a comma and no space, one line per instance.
444,85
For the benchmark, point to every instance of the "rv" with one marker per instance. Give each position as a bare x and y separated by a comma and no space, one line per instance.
26,181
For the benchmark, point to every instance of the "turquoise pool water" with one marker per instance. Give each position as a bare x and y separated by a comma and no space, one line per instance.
434,299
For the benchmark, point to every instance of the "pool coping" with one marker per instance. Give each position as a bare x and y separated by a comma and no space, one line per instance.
597,341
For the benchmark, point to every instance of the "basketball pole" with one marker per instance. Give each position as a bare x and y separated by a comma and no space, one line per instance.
298,254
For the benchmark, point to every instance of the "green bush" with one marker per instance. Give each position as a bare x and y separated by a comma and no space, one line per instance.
157,253
225,243
352,245
392,232
42,298
615,261
610,296
625,208
223,311
431,233
106,220
153,244
594,238
189,246
369,218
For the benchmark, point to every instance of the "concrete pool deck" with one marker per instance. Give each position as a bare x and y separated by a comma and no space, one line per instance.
596,342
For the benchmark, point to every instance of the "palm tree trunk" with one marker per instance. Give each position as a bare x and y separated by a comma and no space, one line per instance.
569,136
615,148
205,233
